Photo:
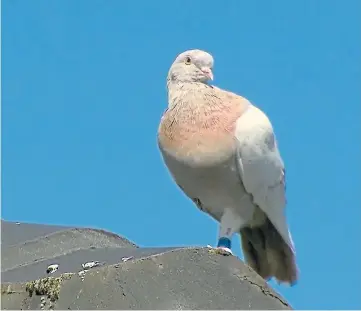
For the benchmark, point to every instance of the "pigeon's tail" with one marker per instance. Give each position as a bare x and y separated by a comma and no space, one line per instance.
268,254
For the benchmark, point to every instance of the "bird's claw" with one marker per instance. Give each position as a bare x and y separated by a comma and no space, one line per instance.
224,251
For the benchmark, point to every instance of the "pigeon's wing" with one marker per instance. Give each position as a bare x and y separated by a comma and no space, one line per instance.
261,168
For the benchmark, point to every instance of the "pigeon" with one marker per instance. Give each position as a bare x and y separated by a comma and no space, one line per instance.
222,152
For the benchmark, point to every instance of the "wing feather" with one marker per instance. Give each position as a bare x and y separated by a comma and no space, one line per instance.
261,167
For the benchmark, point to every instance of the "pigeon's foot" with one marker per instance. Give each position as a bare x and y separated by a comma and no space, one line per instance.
223,247
224,251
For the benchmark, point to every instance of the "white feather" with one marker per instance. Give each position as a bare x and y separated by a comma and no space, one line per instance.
261,167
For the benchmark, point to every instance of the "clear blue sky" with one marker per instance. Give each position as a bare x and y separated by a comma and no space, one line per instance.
83,86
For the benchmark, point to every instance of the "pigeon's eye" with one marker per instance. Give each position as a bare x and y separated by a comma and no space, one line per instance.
188,60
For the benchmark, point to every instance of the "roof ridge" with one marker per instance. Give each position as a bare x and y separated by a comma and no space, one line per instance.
53,257
112,238
107,233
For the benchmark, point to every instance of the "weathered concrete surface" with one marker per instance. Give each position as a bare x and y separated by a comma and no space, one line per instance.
156,278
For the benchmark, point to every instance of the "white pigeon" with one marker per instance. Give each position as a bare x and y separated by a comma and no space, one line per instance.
222,152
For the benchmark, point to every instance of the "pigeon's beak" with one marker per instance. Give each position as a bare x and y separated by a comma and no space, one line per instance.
208,72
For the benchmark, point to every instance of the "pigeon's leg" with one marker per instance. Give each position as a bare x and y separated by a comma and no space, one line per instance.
229,224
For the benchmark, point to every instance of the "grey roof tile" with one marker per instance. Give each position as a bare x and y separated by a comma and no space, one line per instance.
154,278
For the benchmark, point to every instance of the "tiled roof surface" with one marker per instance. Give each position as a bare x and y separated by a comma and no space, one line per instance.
151,278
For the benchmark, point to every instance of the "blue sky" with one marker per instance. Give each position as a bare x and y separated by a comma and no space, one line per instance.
83,89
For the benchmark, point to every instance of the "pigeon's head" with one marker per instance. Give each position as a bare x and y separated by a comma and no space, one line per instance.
192,66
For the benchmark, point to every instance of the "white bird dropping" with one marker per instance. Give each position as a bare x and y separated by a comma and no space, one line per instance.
52,268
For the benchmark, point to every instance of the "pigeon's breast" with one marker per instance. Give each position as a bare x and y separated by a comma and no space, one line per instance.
200,136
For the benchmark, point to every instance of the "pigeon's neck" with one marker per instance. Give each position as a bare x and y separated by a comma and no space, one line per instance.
177,92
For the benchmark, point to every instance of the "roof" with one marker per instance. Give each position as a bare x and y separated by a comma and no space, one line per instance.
151,278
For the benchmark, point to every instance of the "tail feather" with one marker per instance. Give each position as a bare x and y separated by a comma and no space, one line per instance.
268,254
